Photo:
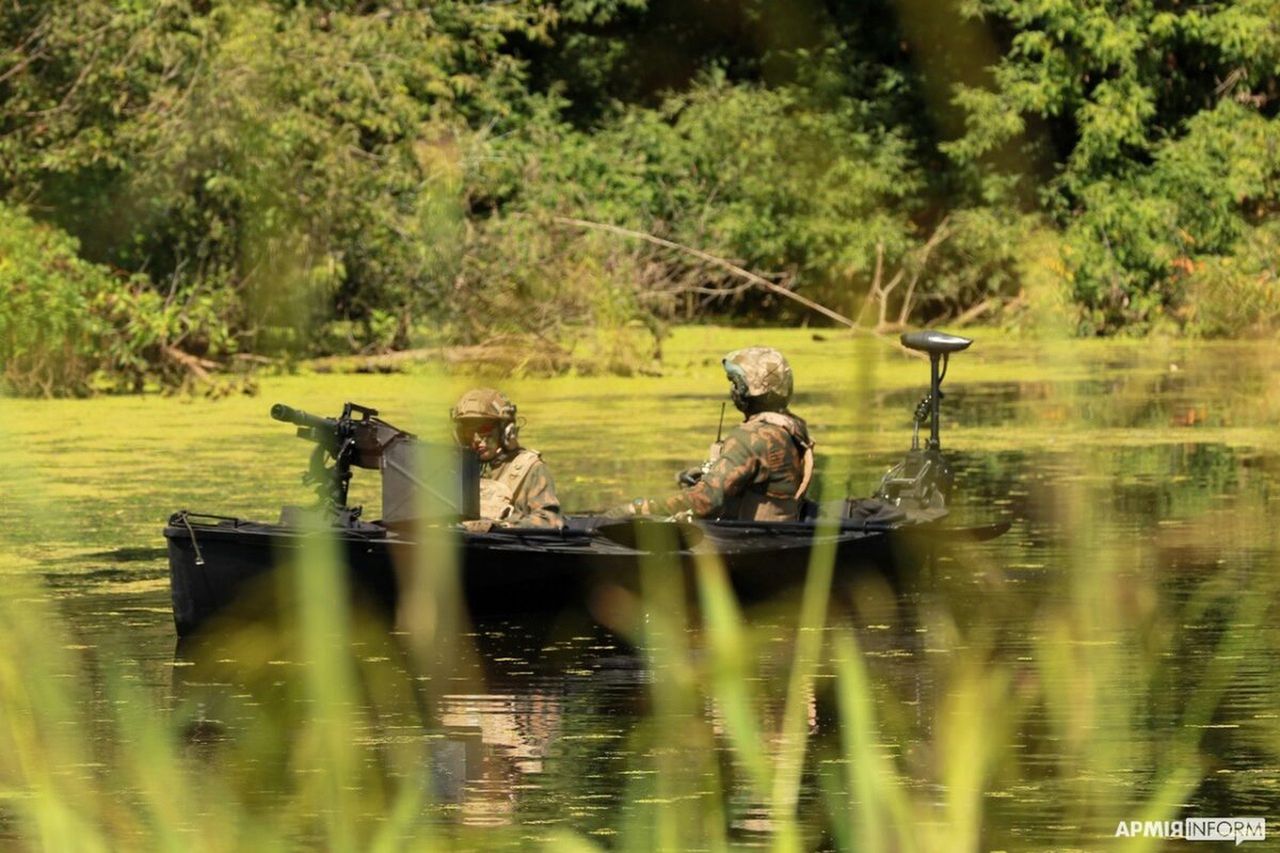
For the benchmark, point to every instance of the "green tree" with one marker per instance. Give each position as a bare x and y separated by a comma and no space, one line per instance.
1149,120
304,158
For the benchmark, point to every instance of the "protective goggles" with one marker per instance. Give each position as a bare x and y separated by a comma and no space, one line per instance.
465,432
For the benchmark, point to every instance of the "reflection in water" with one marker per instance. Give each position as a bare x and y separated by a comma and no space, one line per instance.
555,731
1126,622
543,702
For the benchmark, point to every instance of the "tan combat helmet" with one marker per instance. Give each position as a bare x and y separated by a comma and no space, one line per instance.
759,372
486,404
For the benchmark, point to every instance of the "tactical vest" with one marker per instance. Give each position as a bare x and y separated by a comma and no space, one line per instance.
759,502
499,488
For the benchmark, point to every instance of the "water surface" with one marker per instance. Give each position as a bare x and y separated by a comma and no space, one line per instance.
1039,687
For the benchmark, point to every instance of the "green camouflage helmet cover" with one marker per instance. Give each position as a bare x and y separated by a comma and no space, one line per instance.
484,403
762,370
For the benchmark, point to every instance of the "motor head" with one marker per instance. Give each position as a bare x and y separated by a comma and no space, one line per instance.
484,420
761,379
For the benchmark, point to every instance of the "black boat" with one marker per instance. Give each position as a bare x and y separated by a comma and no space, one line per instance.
215,562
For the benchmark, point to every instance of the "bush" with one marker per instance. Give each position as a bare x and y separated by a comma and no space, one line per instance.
761,176
558,291
1238,294
49,330
69,326
299,160
1121,249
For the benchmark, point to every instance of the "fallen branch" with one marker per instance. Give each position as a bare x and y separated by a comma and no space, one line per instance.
939,235
879,293
717,261
194,365
253,358
875,281
974,312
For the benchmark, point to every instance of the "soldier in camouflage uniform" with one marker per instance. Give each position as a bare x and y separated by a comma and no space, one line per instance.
516,489
762,469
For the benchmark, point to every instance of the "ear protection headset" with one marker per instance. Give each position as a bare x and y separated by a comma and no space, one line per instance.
738,377
511,431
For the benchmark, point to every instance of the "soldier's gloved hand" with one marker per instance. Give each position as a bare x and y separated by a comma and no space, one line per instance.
478,525
639,506
689,476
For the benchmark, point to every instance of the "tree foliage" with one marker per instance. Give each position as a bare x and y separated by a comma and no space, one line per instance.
374,174
301,158
1154,124
70,326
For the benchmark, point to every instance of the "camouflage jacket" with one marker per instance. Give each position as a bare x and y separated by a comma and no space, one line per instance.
758,475
524,481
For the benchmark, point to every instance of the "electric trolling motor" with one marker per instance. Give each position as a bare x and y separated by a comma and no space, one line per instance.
922,480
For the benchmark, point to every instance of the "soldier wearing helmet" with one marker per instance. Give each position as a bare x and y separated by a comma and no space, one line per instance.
516,489
762,469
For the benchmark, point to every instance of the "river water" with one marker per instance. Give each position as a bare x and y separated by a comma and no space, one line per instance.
1111,658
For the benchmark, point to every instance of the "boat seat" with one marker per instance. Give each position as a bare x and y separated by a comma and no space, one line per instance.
862,511
934,343
853,512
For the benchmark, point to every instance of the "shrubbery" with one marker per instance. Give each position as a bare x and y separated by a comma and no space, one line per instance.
298,163
69,326
48,335
1238,293
278,177
1157,127
752,174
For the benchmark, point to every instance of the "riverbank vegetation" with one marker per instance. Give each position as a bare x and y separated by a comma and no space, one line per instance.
188,186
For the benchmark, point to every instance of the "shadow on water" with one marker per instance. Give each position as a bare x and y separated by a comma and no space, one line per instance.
499,743
557,732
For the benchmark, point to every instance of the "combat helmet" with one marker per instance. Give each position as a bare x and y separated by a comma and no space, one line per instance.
761,378
484,403
488,404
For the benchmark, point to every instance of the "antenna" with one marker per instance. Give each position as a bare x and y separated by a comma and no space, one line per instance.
720,429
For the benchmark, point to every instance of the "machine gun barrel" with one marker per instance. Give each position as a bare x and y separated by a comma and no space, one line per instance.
359,438
297,417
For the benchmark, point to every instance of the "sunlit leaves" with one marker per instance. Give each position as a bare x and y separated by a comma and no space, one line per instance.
1155,118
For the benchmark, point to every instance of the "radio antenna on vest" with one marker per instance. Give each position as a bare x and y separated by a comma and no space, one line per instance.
720,429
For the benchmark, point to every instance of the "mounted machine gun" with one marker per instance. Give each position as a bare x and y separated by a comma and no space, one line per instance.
359,438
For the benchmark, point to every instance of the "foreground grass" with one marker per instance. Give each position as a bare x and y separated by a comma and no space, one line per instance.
104,767
999,718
